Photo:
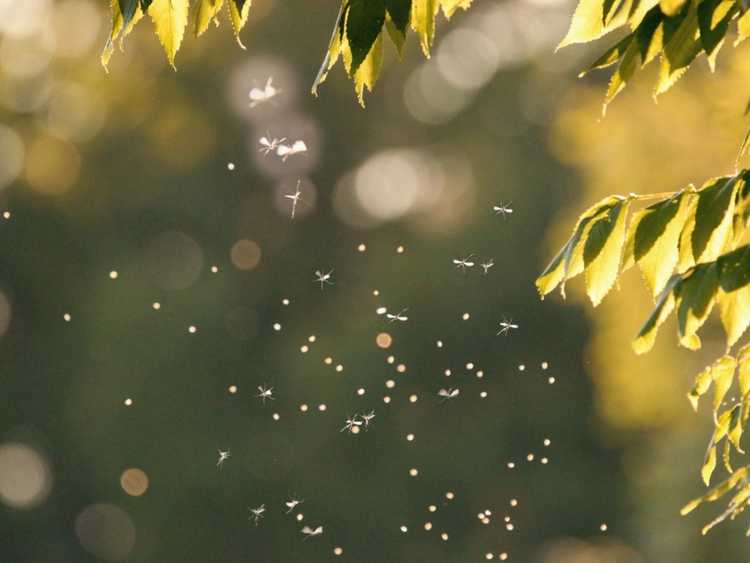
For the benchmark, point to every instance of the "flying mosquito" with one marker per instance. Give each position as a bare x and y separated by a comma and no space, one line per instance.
223,456
260,96
366,418
503,209
351,424
322,278
295,197
256,514
398,316
463,263
506,326
265,393
310,532
269,145
291,504
487,265
450,393
285,151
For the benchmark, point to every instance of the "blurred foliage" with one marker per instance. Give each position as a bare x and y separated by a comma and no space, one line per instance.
688,244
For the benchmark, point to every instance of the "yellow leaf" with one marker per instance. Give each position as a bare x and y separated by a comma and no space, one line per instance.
735,313
743,359
735,429
207,12
587,23
696,296
702,383
686,259
368,71
450,6
118,21
170,18
601,272
423,22
709,465
239,17
718,491
671,7
722,373
659,261
664,307
743,28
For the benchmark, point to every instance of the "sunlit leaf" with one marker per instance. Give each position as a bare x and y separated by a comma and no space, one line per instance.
709,464
655,244
423,22
713,217
207,12
603,250
588,22
735,313
364,23
696,295
735,428
713,21
122,25
333,51
449,7
701,385
238,13
719,490
671,7
722,373
664,307
681,45
368,72
170,18
743,28
610,56
400,13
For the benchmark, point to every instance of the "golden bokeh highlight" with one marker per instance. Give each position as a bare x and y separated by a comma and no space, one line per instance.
52,165
245,254
134,481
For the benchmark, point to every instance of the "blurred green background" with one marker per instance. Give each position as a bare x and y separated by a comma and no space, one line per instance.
128,172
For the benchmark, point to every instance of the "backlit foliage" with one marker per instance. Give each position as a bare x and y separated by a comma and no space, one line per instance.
688,245
357,37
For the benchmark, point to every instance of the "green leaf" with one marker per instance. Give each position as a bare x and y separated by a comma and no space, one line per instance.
121,26
368,72
568,262
681,45
657,233
423,22
709,464
602,251
207,12
713,21
696,295
238,13
745,143
400,13
587,23
364,23
610,56
170,18
664,306
735,313
743,360
718,491
735,428
713,217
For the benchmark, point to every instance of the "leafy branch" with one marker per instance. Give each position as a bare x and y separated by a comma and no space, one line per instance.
357,37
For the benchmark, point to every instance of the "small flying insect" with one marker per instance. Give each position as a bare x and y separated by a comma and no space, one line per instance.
506,326
310,532
223,456
285,151
366,418
265,393
398,317
503,209
450,393
463,263
487,265
256,514
295,197
322,278
291,504
260,96
352,423
270,144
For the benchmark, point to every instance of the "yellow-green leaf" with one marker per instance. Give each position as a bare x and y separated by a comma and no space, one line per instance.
718,491
332,53
423,14
696,295
701,385
367,73
722,373
207,12
664,306
450,6
603,251
681,45
735,313
656,237
238,12
170,18
743,28
122,25
743,378
709,465
713,217
735,428
588,22
671,7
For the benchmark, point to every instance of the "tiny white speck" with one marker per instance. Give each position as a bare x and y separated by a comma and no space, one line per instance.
466,316
67,317
214,269
230,165
276,416
361,391
128,402
277,327
551,380
6,214
404,529
113,275
285,302
192,329
439,343
521,367
156,305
